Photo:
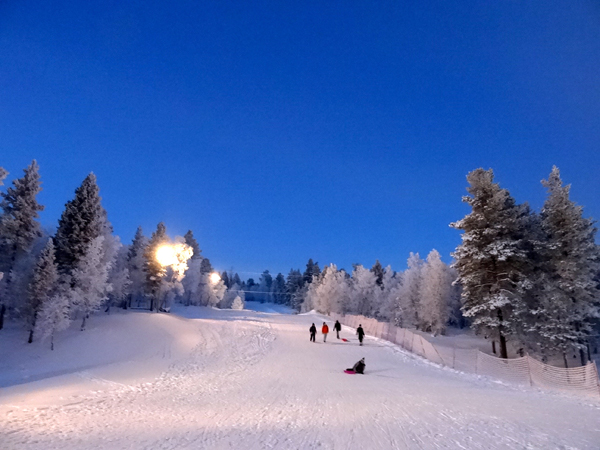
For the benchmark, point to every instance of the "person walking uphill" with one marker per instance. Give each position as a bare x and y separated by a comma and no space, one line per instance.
325,330
313,332
361,333
337,327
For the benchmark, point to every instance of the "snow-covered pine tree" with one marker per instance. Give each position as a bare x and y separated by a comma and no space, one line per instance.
118,278
278,289
82,221
225,278
19,229
206,266
377,269
265,283
238,303
435,295
90,280
409,293
135,267
312,269
192,242
43,285
3,175
233,298
53,317
568,303
493,260
293,286
154,270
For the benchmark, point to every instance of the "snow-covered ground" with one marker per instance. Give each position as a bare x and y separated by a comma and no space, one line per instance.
205,378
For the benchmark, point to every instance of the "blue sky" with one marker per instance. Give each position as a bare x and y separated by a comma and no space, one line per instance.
282,131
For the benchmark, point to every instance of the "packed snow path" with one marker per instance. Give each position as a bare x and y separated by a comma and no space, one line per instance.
249,380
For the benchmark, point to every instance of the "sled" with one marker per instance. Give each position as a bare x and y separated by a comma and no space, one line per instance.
345,340
349,371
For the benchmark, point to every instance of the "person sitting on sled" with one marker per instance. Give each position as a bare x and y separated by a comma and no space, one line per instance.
359,367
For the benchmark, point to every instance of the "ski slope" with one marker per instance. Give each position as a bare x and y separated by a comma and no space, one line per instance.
207,379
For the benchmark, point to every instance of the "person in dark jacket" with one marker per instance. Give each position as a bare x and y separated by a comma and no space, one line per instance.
361,333
359,367
313,332
337,327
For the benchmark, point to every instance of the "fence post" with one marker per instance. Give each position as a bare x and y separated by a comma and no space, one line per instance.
529,369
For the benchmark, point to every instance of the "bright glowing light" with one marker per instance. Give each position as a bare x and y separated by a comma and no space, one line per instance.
175,256
215,278
165,255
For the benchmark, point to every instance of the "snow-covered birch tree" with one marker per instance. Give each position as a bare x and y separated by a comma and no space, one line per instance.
409,293
53,316
436,294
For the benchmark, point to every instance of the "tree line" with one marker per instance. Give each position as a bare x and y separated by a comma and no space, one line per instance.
47,281
518,275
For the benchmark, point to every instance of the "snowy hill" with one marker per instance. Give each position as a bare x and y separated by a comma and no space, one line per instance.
206,378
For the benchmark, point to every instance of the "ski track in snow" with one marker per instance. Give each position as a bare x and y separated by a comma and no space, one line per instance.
258,383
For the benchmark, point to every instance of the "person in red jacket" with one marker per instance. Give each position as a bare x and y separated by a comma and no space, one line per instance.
325,330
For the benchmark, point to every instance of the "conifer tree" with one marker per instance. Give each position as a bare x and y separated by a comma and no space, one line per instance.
136,266
154,270
3,175
377,269
192,242
19,227
119,279
293,287
43,285
90,280
278,289
569,297
265,283
312,270
206,266
225,279
492,261
82,221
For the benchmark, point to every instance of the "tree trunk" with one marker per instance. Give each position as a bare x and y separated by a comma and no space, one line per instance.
565,359
582,356
494,346
52,342
83,322
32,328
503,350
